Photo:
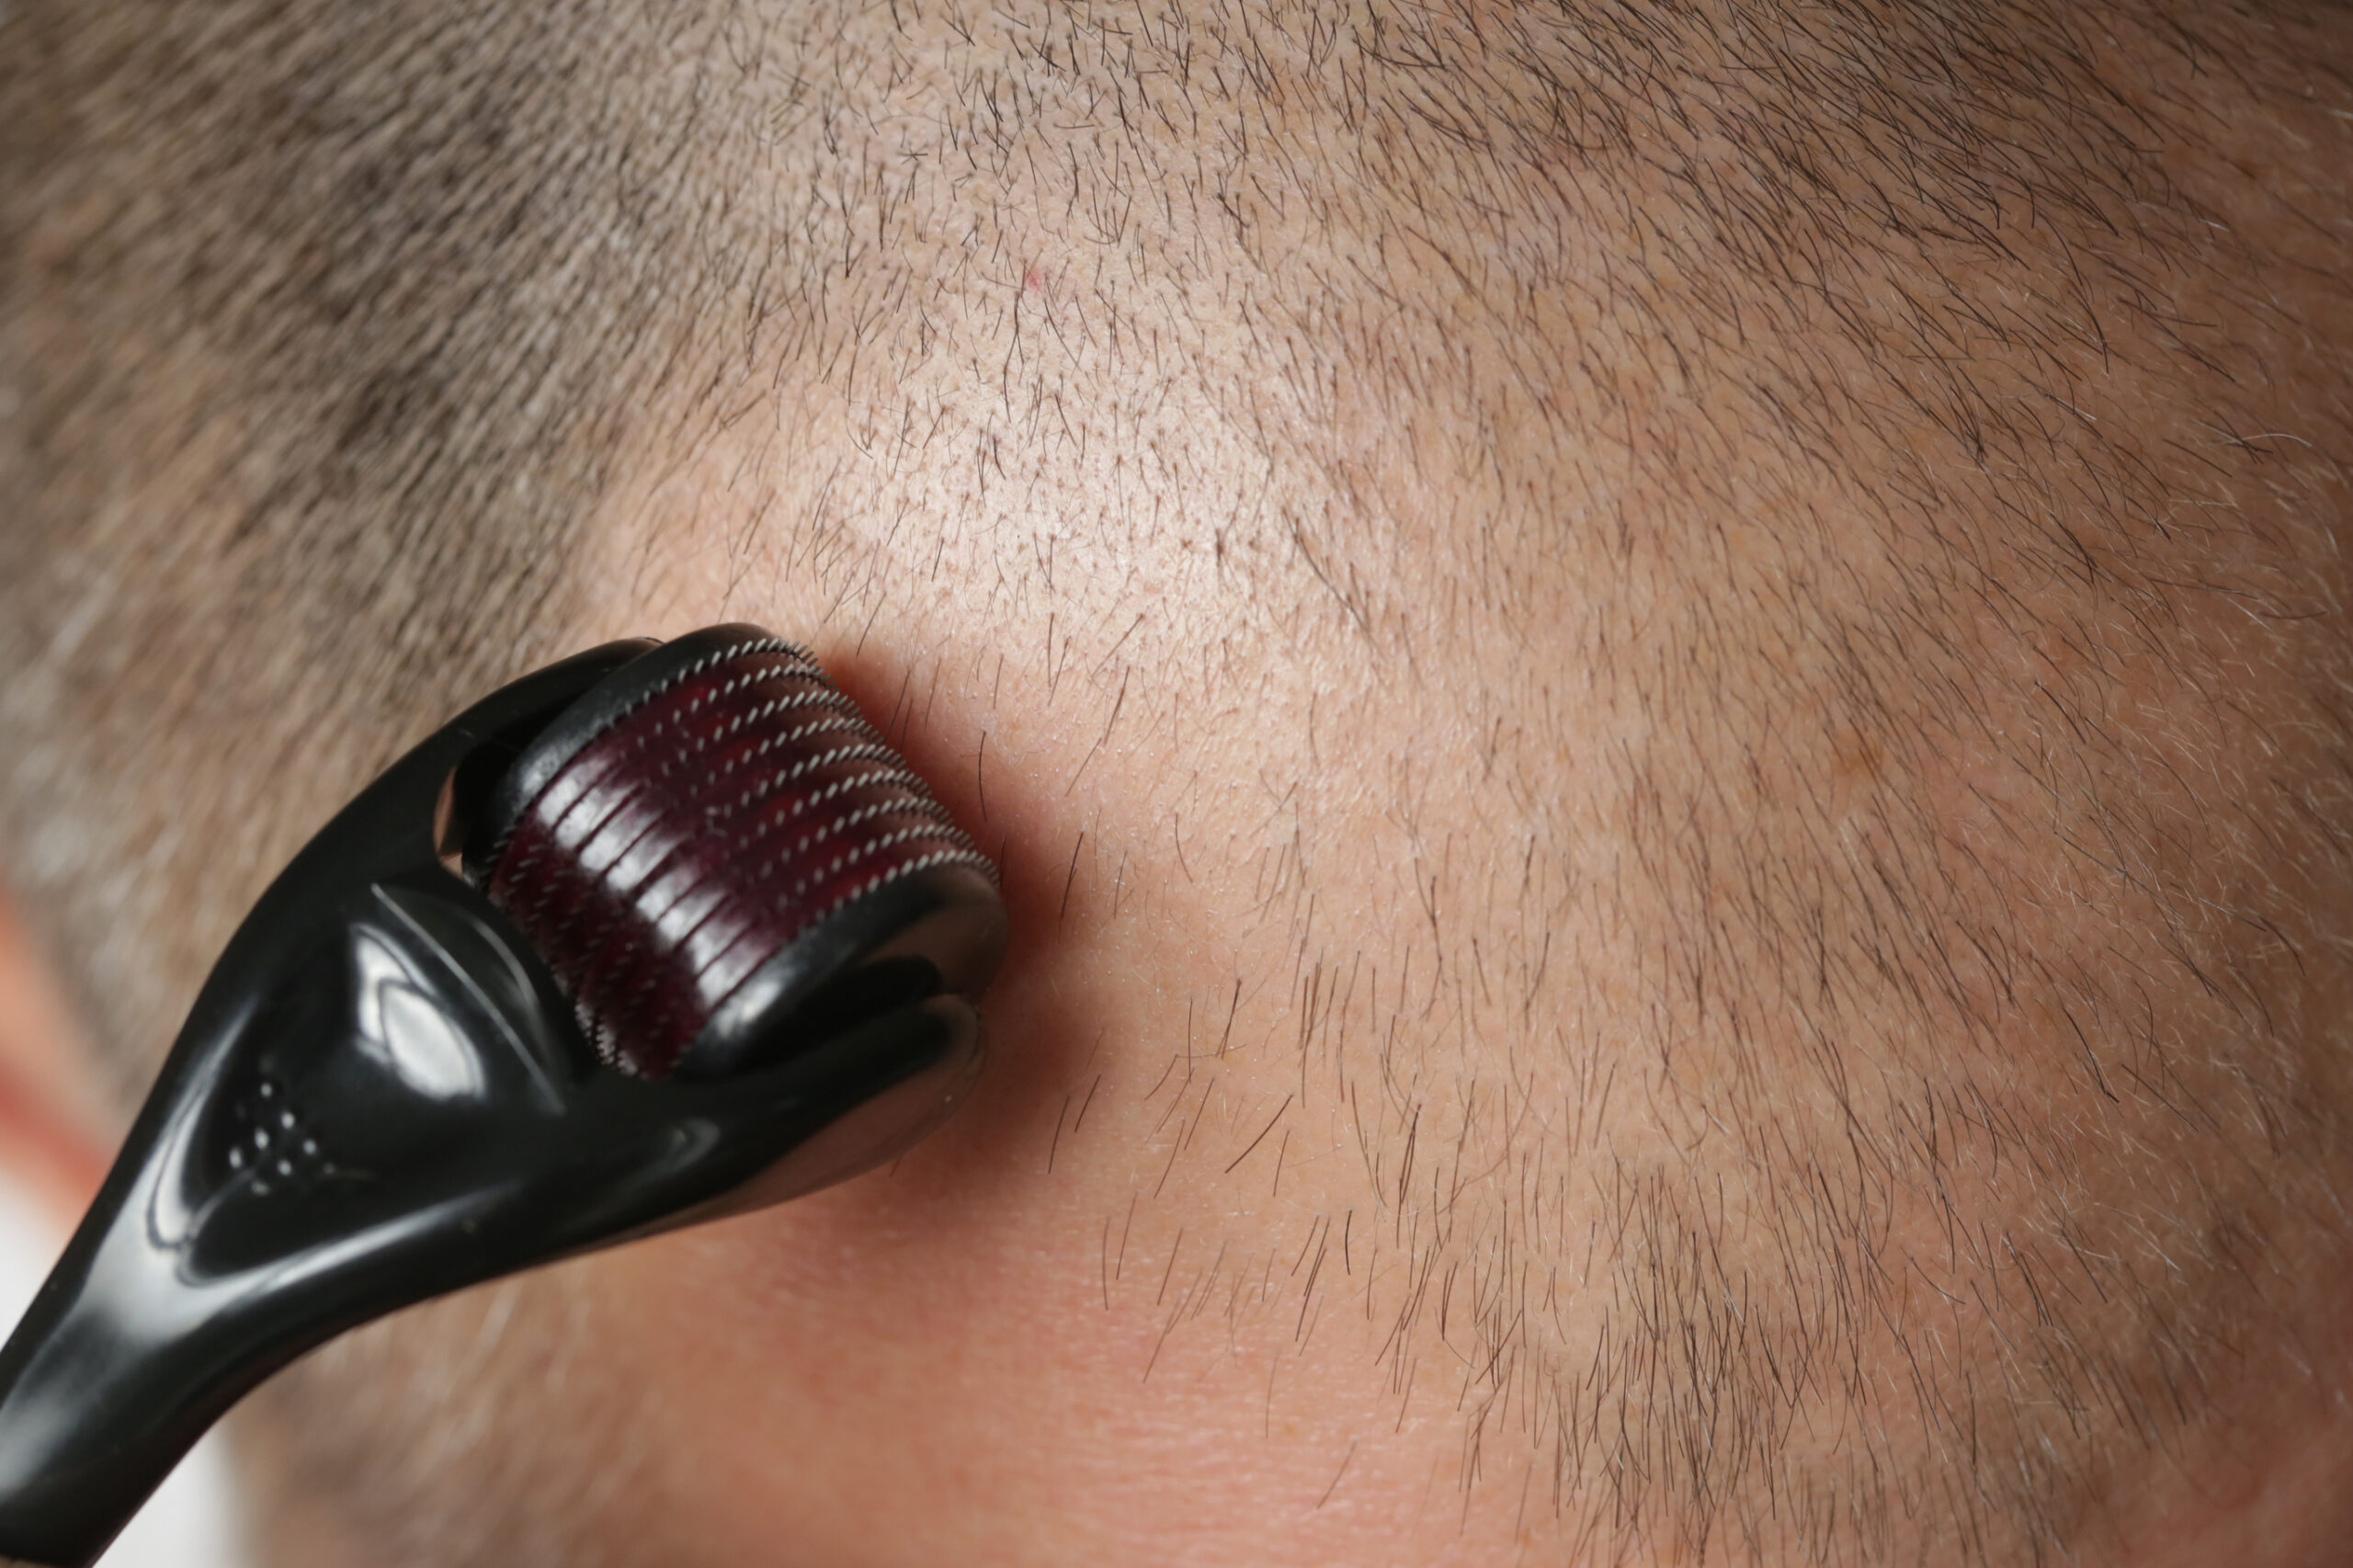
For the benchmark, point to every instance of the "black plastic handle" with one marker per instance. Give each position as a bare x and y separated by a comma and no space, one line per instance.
380,1096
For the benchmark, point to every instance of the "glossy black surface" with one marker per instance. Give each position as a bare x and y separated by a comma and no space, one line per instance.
380,1096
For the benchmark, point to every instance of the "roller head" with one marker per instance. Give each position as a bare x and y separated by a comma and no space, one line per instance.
719,859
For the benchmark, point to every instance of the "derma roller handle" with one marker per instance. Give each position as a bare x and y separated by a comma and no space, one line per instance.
203,1237
387,1090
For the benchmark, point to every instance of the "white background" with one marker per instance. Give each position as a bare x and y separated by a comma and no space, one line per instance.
191,1522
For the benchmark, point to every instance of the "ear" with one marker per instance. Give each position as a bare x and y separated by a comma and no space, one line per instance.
55,1137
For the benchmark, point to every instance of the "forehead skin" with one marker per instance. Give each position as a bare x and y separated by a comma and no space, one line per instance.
1663,690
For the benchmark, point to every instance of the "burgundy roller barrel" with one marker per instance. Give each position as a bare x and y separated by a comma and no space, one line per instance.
718,855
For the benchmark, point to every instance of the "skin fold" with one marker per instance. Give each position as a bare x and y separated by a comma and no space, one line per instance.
1663,690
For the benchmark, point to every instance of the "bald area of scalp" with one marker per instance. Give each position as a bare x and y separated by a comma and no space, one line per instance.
1663,686
1696,595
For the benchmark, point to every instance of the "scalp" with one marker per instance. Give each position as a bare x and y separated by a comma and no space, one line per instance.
1770,573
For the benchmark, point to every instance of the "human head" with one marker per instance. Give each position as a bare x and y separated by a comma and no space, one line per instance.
1663,686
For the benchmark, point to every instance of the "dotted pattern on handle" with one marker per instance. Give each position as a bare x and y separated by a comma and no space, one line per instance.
712,825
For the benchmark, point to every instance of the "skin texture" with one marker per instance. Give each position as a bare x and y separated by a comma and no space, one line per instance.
1663,689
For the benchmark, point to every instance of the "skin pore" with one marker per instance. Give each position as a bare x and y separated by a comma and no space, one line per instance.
1663,688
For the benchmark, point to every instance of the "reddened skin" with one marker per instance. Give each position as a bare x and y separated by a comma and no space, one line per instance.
55,1130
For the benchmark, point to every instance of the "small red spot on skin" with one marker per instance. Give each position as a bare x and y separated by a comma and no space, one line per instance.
1033,280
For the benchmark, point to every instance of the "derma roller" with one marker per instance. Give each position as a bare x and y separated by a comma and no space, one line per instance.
659,933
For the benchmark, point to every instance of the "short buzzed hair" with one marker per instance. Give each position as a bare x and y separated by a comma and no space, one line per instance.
331,330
